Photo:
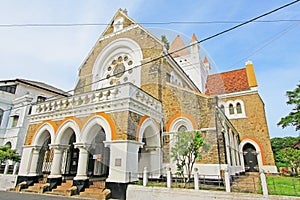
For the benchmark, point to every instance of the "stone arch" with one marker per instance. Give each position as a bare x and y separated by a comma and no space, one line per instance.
97,131
181,120
66,130
259,151
117,47
149,129
149,155
94,125
45,131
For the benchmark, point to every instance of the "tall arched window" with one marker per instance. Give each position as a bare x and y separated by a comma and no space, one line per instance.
1,115
238,108
231,109
182,128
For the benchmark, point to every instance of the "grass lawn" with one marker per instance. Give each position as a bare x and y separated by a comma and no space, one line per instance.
282,185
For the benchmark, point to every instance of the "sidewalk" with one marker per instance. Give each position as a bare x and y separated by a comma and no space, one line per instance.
135,192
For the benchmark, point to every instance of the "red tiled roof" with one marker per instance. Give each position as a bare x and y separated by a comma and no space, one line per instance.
227,82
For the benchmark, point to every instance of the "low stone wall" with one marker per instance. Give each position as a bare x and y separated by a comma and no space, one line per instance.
135,192
7,181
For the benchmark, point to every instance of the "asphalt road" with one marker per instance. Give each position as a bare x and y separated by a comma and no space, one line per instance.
26,196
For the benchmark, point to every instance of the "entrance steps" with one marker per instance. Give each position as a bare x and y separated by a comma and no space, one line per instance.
39,187
65,189
97,190
250,182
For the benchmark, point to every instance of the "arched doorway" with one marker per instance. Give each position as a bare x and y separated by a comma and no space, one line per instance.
45,157
98,165
71,158
149,155
250,158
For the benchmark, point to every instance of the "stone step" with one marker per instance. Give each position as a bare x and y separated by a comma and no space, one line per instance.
93,190
93,195
37,188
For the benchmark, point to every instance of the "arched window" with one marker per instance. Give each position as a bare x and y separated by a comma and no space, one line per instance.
222,108
8,144
1,115
238,108
182,128
231,109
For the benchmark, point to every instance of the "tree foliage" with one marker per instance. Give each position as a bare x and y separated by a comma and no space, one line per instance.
290,156
293,118
164,39
6,153
186,151
281,143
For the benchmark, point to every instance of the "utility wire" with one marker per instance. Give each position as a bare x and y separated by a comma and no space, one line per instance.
269,41
188,46
142,23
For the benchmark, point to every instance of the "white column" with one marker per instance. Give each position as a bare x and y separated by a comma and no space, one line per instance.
123,166
16,167
145,176
25,160
227,180
196,179
264,185
57,160
82,161
169,178
6,167
34,161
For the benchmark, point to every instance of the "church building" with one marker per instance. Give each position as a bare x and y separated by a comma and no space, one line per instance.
134,94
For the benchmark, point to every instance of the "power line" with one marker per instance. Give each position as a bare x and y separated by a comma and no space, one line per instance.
188,46
269,41
142,23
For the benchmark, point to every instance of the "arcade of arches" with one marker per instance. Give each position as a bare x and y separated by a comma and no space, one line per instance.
77,153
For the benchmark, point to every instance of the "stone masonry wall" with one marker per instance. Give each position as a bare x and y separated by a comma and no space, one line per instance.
254,125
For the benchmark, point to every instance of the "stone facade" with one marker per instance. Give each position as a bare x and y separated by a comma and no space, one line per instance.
132,94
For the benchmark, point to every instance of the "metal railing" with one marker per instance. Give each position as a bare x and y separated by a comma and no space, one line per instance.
206,182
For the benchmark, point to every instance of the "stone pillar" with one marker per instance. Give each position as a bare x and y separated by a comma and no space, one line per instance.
57,160
34,161
123,167
196,179
227,180
263,181
82,161
6,167
169,178
16,168
145,176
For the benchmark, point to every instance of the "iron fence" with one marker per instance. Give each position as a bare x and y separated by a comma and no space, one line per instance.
283,185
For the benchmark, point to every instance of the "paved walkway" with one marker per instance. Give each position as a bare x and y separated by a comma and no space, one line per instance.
140,193
27,196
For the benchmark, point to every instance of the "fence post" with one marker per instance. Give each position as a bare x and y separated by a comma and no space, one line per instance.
169,178
6,167
196,179
227,180
263,183
145,177
16,168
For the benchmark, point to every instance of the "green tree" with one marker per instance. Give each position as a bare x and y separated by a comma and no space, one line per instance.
186,151
293,118
164,39
292,157
281,143
278,143
6,153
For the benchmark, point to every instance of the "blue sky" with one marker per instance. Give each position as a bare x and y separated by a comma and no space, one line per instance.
54,54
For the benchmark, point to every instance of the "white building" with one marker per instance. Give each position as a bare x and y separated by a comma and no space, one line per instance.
17,97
